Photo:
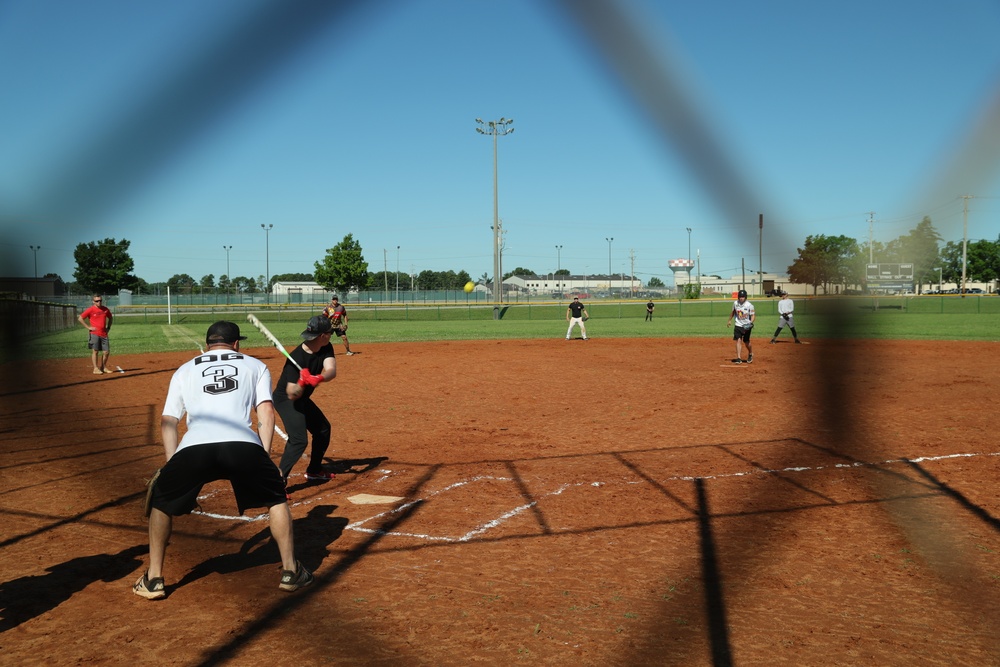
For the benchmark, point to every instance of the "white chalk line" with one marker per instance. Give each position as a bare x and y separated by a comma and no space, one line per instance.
358,526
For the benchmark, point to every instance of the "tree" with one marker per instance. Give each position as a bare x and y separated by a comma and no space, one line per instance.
519,271
921,247
58,287
563,272
104,267
207,282
655,282
982,261
181,282
824,260
292,277
344,268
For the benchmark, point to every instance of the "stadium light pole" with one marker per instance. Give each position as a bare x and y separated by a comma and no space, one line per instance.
397,274
689,243
267,259
496,128
229,278
558,264
35,249
609,240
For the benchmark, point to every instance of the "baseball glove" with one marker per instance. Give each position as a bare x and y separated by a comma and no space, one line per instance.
148,505
585,318
785,315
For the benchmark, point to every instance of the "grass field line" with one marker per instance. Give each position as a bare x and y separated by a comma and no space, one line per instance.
359,526
177,333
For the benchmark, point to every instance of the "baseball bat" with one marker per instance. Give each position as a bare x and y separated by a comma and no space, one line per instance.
252,319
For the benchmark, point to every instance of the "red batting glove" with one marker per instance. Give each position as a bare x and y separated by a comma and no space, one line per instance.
304,376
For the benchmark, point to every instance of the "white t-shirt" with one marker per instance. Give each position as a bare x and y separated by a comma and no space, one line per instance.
218,390
786,306
743,312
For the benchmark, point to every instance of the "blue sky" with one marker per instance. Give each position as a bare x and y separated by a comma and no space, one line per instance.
818,113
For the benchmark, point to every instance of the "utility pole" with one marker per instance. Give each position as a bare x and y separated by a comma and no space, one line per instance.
631,281
496,128
267,258
35,249
965,237
609,240
397,274
229,277
385,273
871,236
760,255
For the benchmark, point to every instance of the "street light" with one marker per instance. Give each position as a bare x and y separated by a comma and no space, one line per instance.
689,244
229,277
397,274
267,259
35,250
558,264
496,128
609,240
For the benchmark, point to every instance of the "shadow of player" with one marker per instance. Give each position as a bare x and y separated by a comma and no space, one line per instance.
27,597
314,533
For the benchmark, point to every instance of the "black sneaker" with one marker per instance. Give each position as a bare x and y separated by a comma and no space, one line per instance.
798,342
750,359
773,341
293,581
737,361
319,476
151,589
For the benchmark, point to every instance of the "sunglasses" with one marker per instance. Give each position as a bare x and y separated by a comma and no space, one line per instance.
97,300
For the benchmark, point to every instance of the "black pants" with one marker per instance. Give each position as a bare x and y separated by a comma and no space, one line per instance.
302,417
649,316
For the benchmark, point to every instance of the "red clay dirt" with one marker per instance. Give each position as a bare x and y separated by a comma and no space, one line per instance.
608,502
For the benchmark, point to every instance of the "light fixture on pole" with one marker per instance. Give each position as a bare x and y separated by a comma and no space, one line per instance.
267,258
689,243
496,128
397,274
35,249
229,277
609,240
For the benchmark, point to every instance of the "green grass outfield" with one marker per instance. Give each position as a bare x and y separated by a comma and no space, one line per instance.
145,333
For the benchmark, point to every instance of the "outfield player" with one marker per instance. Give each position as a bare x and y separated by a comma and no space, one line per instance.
576,315
292,400
649,310
337,315
745,316
786,317
97,318
218,389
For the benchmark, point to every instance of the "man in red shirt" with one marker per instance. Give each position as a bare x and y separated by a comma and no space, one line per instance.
337,315
97,319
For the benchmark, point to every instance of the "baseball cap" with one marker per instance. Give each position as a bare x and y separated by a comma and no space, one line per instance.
318,325
223,332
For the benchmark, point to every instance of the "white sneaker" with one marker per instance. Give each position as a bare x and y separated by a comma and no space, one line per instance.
349,353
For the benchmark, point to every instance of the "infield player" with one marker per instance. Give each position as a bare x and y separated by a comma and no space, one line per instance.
292,400
97,319
786,317
576,315
743,313
217,390
337,315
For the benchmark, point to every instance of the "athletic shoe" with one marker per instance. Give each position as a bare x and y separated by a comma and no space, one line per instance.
293,581
737,361
773,341
98,371
798,342
586,338
319,476
107,370
349,353
151,589
750,359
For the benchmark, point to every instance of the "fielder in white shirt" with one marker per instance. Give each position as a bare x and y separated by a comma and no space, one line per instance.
745,316
786,317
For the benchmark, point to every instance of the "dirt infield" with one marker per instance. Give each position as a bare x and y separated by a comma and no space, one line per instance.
608,502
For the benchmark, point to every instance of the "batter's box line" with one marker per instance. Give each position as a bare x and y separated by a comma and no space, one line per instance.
479,530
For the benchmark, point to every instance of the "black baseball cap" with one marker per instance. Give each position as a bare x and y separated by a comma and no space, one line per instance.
223,332
318,325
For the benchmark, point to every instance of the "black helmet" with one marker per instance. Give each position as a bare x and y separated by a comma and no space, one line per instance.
742,294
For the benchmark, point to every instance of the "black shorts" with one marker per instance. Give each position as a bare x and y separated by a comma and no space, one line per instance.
255,479
740,332
339,331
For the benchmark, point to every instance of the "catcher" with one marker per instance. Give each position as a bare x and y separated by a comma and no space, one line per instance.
745,316
218,389
786,317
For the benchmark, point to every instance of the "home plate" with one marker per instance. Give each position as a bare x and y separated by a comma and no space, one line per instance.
369,499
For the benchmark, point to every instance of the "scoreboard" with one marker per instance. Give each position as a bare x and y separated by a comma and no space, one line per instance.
890,275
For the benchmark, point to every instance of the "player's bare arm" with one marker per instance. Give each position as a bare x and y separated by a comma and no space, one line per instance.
168,431
265,424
